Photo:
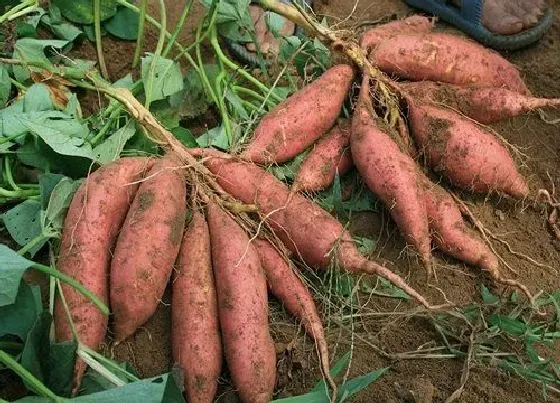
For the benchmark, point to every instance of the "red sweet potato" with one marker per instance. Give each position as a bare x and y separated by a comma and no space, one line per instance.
468,155
447,58
195,330
147,246
485,105
290,290
450,234
92,224
390,174
329,155
243,308
307,230
294,124
415,24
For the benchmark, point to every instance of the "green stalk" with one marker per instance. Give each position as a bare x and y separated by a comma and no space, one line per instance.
18,194
36,385
254,94
21,9
74,284
10,345
35,241
108,363
9,176
114,115
235,67
197,42
141,26
4,140
178,27
98,45
148,87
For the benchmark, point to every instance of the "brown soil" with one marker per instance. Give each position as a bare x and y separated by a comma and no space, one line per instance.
523,225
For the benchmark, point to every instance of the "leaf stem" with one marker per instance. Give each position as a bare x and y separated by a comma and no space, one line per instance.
148,87
34,242
98,44
141,26
74,284
9,176
23,8
36,385
178,27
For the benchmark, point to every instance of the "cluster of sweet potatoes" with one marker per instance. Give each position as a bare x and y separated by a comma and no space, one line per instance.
129,231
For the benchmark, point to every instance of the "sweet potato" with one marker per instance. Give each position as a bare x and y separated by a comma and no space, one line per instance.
390,174
415,24
306,229
485,105
294,124
147,246
468,155
92,224
290,290
450,234
329,155
195,330
447,58
243,308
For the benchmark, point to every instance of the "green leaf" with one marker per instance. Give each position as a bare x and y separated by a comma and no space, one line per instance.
167,79
192,100
47,182
81,11
289,170
124,24
37,345
355,385
23,222
215,137
366,246
59,367
487,296
184,136
274,22
509,325
62,30
12,267
335,370
5,86
311,397
33,50
59,201
94,382
37,98
111,148
18,318
155,390
125,82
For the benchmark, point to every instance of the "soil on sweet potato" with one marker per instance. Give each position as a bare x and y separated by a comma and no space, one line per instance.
523,225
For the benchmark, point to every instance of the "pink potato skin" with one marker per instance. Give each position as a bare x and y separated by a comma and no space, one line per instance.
195,331
311,233
294,295
294,124
485,105
415,24
329,155
147,246
447,58
243,308
469,156
92,224
390,174
450,234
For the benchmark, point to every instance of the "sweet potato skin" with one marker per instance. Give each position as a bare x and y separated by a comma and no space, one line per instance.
294,124
329,155
243,308
469,156
447,58
390,174
450,234
147,246
92,224
415,24
485,105
195,331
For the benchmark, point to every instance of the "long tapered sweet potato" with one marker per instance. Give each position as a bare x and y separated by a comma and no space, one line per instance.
311,233
243,308
450,234
195,330
147,246
294,124
485,105
329,156
447,58
415,24
469,156
92,224
390,174
290,290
